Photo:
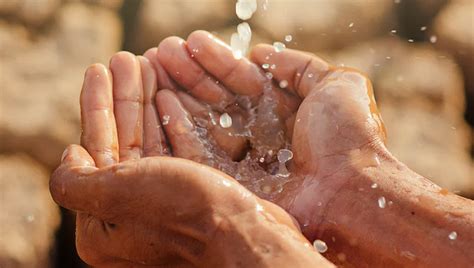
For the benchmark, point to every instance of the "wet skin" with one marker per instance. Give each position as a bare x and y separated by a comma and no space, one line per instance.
136,208
341,167
336,136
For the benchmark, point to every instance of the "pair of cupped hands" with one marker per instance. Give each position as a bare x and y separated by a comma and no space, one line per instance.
139,202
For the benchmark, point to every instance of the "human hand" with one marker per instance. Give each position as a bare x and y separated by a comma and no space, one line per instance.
135,210
335,128
344,187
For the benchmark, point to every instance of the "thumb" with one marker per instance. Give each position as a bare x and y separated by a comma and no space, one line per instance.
298,72
76,183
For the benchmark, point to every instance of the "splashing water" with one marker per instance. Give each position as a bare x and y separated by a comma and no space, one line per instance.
245,8
453,235
382,202
320,246
279,46
240,41
284,155
166,120
225,120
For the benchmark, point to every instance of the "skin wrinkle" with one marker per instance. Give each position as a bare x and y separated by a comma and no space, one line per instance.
337,173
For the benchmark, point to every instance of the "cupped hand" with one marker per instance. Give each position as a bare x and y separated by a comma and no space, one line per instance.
137,209
327,116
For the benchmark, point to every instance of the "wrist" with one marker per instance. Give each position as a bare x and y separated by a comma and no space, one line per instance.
256,239
389,202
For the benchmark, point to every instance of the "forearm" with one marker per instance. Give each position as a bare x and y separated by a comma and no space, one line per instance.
389,215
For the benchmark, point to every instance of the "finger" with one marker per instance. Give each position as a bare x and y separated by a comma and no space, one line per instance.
154,140
99,133
180,128
230,140
128,104
239,75
75,166
77,156
164,80
174,57
301,71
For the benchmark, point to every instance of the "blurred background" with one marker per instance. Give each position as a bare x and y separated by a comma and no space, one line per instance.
418,53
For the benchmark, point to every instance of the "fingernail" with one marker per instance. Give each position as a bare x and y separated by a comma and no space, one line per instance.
65,153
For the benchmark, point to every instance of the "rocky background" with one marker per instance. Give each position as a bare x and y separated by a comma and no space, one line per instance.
418,53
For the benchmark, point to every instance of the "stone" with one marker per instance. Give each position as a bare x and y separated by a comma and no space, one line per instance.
433,146
31,12
158,19
421,95
112,4
415,14
29,217
453,26
41,79
317,25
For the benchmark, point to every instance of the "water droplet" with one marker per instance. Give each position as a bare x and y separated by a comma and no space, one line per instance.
320,246
310,75
279,46
381,202
453,235
269,75
393,31
374,185
288,38
225,120
284,155
262,159
245,8
273,67
351,25
283,83
265,66
433,39
411,40
423,28
166,119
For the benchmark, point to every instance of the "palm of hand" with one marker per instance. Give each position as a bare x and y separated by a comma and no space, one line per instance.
336,126
139,209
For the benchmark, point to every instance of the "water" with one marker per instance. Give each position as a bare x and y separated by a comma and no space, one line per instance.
283,83
381,202
288,38
245,8
279,46
166,120
453,235
225,120
320,246
240,41
284,155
